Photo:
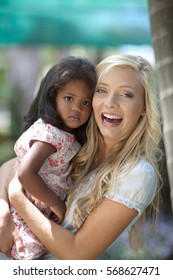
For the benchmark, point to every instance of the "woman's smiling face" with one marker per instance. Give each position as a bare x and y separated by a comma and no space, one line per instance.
118,103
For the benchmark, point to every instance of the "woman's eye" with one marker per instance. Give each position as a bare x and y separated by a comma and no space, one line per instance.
127,94
101,90
68,98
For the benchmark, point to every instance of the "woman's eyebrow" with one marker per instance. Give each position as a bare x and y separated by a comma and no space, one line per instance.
127,86
102,84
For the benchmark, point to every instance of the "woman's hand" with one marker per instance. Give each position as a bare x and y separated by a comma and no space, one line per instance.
14,190
8,232
9,235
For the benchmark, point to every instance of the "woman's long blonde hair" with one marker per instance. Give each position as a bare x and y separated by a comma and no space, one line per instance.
143,142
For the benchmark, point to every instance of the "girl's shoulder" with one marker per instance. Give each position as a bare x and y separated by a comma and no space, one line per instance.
41,127
42,131
38,124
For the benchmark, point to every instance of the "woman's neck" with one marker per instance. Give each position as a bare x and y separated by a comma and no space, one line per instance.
108,149
101,157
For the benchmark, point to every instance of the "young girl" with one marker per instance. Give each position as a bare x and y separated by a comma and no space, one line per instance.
55,129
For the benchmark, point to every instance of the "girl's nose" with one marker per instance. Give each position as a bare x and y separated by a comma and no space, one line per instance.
76,107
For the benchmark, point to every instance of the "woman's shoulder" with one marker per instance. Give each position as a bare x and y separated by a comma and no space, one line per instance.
143,166
135,187
141,176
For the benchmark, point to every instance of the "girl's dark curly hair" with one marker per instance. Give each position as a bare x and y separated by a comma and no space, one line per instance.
68,69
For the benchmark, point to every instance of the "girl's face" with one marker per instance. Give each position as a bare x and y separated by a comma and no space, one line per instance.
118,104
74,104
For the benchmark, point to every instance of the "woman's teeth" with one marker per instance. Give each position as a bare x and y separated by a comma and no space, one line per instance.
113,117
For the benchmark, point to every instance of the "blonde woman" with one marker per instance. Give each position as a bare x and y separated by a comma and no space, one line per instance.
116,177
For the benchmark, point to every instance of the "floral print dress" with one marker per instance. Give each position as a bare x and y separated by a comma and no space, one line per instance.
55,172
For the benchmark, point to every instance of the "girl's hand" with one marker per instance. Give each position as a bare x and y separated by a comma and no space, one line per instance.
59,209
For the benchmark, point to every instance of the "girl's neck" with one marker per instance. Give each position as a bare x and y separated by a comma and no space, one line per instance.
69,130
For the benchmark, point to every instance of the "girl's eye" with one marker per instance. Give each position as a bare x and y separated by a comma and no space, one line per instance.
68,98
127,94
86,103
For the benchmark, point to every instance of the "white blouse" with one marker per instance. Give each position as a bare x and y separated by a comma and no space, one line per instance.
135,189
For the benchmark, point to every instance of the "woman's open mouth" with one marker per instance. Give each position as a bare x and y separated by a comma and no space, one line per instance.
111,119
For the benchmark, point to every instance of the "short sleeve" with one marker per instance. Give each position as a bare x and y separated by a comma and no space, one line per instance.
45,132
137,188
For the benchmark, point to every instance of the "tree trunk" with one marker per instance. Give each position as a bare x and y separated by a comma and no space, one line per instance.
24,63
161,20
23,73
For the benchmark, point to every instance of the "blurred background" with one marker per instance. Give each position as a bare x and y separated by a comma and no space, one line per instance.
35,34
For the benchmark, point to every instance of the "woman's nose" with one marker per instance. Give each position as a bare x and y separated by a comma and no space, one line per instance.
112,100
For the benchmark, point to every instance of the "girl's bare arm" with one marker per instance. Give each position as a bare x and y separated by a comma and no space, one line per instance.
33,183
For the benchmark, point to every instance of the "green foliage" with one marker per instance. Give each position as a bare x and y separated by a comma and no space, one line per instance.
156,245
5,93
6,149
96,23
